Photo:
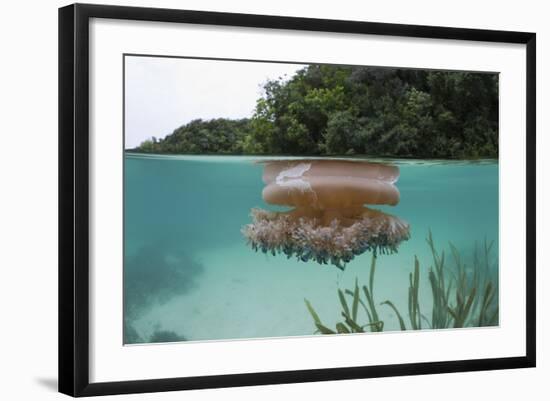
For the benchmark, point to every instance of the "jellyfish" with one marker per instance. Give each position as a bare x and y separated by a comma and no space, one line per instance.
329,221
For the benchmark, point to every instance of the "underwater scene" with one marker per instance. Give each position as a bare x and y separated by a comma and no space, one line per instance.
422,255
266,199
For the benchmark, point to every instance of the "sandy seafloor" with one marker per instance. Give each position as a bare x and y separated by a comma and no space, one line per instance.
197,206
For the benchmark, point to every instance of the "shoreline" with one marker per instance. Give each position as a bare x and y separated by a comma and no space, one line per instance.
263,158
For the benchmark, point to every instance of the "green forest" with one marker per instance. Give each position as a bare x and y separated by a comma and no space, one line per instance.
350,110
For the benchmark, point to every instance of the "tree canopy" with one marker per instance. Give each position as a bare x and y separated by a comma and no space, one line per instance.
346,110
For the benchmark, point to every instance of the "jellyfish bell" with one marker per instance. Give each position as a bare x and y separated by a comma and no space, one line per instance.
329,167
331,192
328,222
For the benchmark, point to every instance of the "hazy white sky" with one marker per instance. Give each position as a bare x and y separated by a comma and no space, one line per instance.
165,93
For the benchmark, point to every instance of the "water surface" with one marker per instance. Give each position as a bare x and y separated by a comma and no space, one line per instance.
189,274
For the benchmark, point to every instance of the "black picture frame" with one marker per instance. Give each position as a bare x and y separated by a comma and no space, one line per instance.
74,198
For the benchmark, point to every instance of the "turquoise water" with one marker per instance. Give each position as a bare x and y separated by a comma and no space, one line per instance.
189,274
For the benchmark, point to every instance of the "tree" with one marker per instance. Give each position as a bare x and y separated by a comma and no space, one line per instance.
326,109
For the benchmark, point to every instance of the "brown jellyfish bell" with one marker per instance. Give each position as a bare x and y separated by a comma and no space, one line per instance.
329,222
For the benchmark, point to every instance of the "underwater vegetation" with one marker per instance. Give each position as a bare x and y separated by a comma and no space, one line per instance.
329,222
131,336
166,336
152,276
460,297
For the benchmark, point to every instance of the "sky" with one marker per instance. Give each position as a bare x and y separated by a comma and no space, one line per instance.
161,94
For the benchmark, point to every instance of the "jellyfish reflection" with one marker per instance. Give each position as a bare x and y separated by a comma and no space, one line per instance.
329,222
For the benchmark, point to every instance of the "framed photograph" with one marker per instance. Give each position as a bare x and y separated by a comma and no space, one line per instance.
251,199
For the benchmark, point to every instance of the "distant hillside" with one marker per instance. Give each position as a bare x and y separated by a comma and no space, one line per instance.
336,110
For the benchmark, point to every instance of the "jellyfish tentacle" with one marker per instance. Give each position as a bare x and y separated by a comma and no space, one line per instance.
308,238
